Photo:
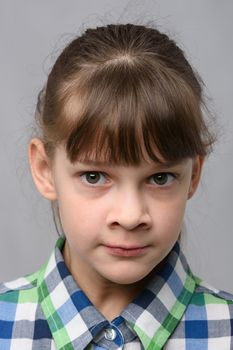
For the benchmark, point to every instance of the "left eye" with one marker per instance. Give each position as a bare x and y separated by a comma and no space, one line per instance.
93,178
162,179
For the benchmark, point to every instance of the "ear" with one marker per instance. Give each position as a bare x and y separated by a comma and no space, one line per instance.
196,175
41,169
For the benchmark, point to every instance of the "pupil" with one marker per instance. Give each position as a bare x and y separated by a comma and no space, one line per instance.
93,177
160,179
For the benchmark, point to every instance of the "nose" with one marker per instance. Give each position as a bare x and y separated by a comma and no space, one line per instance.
129,210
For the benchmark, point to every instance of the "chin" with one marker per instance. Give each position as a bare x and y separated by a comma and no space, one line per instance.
126,279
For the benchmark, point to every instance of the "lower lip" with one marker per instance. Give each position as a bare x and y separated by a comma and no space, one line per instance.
117,251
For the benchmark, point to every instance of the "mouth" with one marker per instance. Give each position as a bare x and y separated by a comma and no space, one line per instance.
126,251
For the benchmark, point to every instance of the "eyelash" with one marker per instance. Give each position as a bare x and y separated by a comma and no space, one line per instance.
172,176
82,175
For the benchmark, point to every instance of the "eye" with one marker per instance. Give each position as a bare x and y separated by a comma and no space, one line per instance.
93,178
162,179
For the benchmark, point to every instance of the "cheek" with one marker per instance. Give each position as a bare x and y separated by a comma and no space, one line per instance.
81,217
168,218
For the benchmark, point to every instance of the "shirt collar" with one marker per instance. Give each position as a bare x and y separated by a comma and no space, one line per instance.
153,315
72,318
156,312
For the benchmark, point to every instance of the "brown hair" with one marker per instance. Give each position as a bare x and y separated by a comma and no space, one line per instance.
122,91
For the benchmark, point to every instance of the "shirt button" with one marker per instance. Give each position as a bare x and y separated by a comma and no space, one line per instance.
110,334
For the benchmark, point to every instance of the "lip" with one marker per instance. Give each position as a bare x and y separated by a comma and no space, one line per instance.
126,251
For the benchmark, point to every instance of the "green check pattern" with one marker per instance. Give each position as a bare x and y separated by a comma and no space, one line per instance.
176,311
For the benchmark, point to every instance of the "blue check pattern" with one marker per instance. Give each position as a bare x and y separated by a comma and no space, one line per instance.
176,311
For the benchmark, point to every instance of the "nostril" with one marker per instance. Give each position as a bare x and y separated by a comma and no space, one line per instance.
130,219
114,224
142,226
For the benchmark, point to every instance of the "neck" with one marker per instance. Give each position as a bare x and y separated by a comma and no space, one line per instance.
101,292
105,295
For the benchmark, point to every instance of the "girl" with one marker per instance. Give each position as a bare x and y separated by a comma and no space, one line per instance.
122,145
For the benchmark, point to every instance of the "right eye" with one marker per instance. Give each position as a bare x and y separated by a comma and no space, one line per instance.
93,178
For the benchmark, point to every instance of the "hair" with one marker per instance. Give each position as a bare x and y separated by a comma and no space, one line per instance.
124,92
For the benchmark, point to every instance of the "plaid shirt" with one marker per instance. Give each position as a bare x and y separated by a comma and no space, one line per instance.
47,310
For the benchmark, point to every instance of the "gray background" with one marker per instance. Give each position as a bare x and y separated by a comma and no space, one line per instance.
31,35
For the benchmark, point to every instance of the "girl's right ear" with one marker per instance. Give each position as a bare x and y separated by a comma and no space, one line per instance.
41,169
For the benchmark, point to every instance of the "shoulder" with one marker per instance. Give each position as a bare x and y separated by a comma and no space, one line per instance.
215,303
19,284
206,295
18,300
207,322
209,316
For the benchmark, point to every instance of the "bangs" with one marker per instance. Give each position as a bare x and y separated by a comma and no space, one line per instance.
124,113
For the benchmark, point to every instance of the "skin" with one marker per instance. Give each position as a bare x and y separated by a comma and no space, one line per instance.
120,222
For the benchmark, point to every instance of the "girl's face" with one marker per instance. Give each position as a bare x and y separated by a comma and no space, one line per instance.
119,221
